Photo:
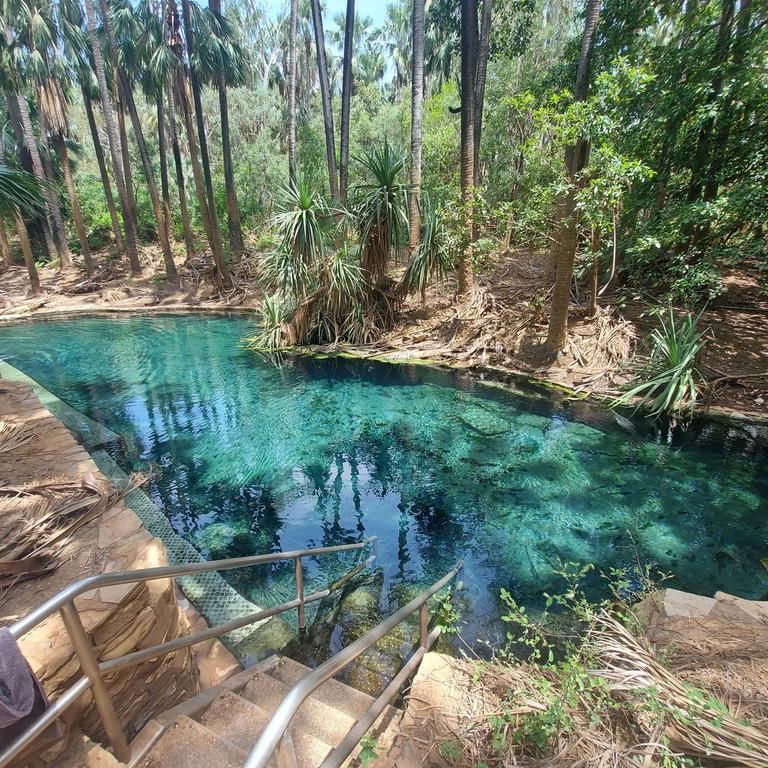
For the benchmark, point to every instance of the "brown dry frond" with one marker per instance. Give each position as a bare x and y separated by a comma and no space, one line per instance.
14,437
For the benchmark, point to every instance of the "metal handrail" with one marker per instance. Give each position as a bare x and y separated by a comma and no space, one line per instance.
277,729
93,671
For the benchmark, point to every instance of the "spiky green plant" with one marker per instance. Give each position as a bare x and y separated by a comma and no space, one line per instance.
302,225
380,206
19,191
671,381
432,259
274,313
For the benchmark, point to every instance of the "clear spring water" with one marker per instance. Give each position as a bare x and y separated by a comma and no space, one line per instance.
252,456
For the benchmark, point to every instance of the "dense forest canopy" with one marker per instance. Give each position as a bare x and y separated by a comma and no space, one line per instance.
626,140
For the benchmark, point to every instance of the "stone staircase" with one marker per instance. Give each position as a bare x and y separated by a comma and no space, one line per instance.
219,726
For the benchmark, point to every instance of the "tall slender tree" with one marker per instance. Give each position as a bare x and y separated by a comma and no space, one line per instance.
113,141
469,36
186,223
126,94
194,81
220,79
417,107
346,98
575,159
325,96
483,54
292,77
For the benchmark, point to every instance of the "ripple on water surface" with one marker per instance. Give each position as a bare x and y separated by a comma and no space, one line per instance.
256,455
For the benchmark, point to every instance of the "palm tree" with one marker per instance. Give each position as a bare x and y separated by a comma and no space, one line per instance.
346,97
575,160
210,200
126,94
129,220
226,49
19,194
186,224
325,95
292,76
417,105
398,33
468,69
483,52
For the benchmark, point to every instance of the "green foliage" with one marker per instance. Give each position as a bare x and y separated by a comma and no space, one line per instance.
19,192
369,749
380,207
671,381
273,315
432,259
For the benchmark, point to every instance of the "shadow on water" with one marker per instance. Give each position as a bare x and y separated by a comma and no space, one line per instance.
254,454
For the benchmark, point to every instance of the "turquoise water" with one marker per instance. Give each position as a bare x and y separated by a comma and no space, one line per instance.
249,455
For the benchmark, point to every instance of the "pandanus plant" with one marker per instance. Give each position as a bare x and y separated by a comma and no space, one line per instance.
380,207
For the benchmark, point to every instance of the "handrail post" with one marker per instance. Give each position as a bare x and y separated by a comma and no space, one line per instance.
286,752
424,627
300,593
90,666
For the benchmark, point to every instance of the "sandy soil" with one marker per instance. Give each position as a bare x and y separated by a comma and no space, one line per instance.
501,329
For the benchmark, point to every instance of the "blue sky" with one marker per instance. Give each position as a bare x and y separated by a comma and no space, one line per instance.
373,8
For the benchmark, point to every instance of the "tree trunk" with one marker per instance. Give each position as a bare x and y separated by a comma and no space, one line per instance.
112,139
704,143
325,95
346,98
65,258
74,202
125,158
108,196
189,240
417,107
5,249
213,219
575,159
30,142
233,209
292,75
197,174
483,52
468,69
29,259
162,146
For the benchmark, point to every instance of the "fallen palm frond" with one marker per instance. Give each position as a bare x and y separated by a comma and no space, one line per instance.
13,437
37,520
697,723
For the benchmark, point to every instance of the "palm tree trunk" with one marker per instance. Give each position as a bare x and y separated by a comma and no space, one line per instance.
468,69
186,225
483,52
5,249
74,202
125,158
113,141
65,258
215,233
162,150
575,159
346,98
149,176
325,95
197,174
29,259
105,182
292,74
417,108
37,167
233,209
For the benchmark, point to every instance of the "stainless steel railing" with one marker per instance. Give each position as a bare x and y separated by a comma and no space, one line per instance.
276,740
93,671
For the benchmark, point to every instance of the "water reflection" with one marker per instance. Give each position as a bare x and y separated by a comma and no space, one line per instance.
252,456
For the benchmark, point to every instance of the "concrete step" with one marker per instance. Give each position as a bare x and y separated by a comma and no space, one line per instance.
314,717
81,752
188,744
241,722
334,693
